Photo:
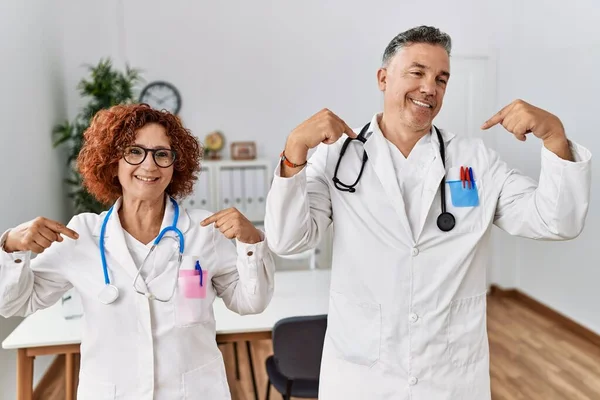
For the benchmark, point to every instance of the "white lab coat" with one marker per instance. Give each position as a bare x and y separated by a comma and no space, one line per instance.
138,348
407,311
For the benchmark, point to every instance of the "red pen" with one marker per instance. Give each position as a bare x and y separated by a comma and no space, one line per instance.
462,176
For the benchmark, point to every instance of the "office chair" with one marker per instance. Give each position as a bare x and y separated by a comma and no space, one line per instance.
294,367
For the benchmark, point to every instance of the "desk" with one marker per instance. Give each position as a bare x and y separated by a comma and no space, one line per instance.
47,332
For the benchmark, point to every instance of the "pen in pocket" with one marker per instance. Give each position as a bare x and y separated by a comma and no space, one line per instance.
199,268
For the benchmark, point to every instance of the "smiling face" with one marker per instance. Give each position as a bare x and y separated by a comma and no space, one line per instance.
146,181
414,83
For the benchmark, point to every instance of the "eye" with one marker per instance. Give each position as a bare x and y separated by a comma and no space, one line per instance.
416,73
163,154
442,81
136,151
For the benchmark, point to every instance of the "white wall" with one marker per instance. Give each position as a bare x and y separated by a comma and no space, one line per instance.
32,101
258,69
555,64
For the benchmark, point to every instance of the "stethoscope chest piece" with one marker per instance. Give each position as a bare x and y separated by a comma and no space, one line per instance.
446,221
108,294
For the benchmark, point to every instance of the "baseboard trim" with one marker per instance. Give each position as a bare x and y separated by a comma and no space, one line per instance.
546,311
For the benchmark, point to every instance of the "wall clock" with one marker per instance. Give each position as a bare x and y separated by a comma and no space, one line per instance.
161,95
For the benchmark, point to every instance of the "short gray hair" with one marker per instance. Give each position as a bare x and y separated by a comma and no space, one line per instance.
419,34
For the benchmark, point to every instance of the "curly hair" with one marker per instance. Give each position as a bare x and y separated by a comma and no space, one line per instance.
113,129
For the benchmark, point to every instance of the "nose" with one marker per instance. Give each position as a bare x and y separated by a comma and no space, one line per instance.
149,163
428,86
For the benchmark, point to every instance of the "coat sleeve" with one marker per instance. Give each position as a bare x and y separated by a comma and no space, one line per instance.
298,208
553,209
244,276
26,284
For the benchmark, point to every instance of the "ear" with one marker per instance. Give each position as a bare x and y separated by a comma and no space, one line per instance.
114,172
382,79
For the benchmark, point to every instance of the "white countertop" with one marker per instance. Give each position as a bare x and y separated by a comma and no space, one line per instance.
296,293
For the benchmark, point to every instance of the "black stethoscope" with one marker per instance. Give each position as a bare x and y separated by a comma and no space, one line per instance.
445,220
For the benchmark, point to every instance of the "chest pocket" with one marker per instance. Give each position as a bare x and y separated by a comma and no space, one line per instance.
465,199
194,293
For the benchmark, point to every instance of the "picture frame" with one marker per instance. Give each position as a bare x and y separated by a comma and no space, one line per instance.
243,150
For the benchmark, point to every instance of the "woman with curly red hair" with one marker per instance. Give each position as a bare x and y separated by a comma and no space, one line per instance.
147,270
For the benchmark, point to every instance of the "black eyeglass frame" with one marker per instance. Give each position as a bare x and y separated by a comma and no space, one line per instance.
153,151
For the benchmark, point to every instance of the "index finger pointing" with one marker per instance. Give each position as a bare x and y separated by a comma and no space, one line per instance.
491,122
498,117
208,220
345,128
348,131
60,228
212,218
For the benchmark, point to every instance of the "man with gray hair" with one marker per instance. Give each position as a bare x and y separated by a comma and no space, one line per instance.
412,208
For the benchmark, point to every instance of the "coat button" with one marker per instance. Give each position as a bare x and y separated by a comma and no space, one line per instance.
249,253
412,381
413,317
18,261
414,251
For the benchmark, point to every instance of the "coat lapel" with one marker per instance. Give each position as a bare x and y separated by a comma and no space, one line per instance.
115,246
433,177
183,224
379,155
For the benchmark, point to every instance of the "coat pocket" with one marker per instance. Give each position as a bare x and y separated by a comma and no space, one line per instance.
354,328
193,299
465,202
207,382
91,389
467,333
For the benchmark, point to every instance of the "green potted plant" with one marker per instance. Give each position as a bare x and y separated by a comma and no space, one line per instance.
105,88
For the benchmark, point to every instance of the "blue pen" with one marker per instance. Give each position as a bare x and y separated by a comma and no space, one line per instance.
471,177
199,268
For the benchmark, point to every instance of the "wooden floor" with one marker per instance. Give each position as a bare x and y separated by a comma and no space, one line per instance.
534,358
531,358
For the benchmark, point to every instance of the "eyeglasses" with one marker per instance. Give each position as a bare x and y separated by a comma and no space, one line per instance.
135,155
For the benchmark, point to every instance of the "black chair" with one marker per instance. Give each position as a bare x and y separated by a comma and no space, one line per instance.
294,367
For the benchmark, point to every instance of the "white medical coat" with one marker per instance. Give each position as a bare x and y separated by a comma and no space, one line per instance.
138,348
407,311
